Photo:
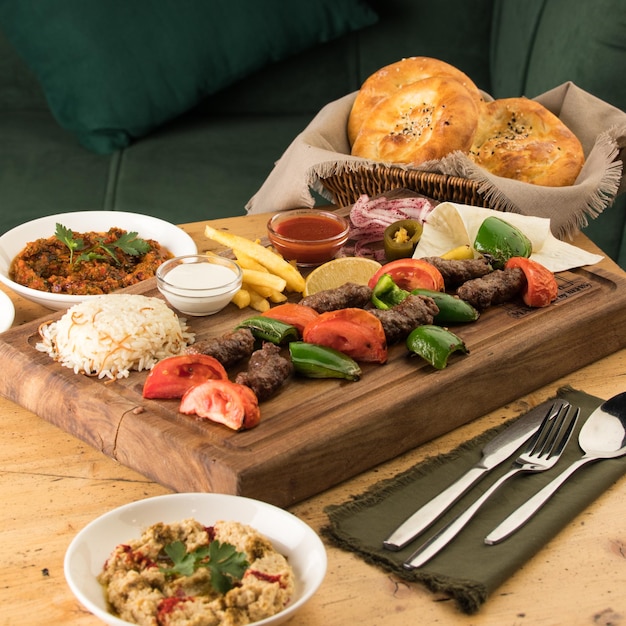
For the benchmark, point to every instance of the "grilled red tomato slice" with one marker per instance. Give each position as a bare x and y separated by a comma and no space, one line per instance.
411,274
172,376
292,313
355,332
541,286
224,402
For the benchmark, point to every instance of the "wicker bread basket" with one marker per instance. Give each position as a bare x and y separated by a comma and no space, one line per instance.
346,187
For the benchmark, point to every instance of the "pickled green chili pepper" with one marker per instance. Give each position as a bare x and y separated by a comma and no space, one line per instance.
435,344
268,329
452,310
401,238
315,361
499,241
386,294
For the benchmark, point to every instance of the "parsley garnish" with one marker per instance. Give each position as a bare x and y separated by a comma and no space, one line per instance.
222,559
129,243
66,236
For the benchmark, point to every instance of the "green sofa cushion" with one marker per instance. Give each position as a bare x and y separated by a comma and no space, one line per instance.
513,29
236,154
456,31
537,45
193,168
113,71
405,28
589,50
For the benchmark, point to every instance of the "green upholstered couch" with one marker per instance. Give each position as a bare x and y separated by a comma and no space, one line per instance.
179,109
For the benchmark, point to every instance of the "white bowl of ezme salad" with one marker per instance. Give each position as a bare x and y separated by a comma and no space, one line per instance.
170,556
60,260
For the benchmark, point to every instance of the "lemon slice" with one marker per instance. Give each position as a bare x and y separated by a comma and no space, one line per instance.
339,271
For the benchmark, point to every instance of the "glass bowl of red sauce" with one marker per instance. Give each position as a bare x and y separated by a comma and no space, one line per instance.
308,236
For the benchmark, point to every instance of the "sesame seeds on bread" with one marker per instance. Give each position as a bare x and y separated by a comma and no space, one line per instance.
421,109
520,139
422,121
390,78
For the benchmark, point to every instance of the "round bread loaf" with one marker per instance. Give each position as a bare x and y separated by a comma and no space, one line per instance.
387,80
519,138
423,121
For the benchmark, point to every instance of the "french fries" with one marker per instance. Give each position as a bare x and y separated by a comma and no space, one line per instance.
272,261
257,301
263,279
266,275
242,298
277,297
248,262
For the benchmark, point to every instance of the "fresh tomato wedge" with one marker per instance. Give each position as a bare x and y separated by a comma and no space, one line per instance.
172,376
224,402
252,412
294,314
411,274
541,286
355,332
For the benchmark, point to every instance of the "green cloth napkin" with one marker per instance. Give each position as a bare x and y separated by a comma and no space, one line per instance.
468,569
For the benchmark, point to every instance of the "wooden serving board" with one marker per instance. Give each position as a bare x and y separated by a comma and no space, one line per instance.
317,433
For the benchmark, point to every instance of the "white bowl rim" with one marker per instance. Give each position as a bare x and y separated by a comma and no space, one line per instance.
95,220
7,312
215,498
234,284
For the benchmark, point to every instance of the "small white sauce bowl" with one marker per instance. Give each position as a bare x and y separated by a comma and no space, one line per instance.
199,284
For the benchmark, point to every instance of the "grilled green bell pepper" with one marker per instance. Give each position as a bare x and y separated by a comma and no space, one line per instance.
499,241
435,344
316,361
386,294
452,310
400,239
268,329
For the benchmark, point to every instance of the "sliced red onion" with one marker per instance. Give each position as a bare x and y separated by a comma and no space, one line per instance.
369,218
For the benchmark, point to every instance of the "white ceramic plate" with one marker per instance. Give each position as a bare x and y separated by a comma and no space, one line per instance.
293,538
176,240
7,312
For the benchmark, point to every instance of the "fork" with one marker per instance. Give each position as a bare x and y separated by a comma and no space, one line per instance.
541,453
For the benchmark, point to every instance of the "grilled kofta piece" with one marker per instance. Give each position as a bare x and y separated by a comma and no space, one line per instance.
349,295
401,319
267,371
494,288
457,271
227,349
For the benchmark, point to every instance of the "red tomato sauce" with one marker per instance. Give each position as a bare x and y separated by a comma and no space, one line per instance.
309,228
309,235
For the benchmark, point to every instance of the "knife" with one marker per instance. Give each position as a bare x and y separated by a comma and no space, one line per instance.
495,452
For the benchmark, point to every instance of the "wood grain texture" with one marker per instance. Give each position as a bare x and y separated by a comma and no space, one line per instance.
53,484
341,428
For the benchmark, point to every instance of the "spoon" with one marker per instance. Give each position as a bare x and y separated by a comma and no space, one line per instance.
603,436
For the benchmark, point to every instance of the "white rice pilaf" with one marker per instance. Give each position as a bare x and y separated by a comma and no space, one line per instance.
110,335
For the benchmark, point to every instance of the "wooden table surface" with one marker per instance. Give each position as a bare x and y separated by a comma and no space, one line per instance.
53,485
